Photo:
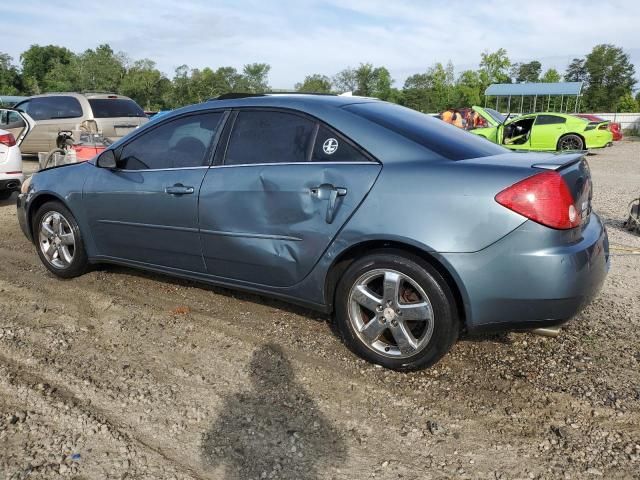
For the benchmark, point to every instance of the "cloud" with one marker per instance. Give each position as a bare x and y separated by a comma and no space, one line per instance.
308,36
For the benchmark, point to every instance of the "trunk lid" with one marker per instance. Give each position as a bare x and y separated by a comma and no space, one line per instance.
576,173
16,122
573,168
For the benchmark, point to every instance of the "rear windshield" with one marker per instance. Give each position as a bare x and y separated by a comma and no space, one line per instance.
115,107
443,139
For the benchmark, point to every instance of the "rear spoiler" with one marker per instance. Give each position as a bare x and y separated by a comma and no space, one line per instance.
561,160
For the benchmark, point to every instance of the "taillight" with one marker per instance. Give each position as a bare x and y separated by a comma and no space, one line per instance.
543,198
7,139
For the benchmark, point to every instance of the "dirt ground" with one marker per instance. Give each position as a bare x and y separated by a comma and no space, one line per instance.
127,375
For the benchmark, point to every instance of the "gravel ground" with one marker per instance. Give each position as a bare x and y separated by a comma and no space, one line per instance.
121,374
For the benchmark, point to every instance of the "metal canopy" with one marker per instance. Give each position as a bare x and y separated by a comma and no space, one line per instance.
535,90
531,89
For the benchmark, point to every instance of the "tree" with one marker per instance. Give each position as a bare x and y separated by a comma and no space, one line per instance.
145,84
527,72
468,89
610,77
346,80
494,67
576,72
37,61
627,104
255,78
431,91
316,83
61,77
100,70
551,76
10,80
366,80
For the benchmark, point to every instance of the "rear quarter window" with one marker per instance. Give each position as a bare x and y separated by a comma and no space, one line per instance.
445,140
549,120
115,108
51,108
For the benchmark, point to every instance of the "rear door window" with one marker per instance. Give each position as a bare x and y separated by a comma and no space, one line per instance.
51,108
269,137
179,143
115,108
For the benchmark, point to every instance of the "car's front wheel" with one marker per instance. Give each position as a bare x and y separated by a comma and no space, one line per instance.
58,240
396,310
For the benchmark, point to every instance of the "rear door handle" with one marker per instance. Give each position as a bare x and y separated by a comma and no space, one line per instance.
179,189
326,191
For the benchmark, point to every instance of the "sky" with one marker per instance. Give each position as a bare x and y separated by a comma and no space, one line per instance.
301,37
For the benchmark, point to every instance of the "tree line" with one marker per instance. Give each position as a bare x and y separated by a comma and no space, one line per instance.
607,72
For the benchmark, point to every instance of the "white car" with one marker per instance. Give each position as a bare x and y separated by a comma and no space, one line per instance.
14,126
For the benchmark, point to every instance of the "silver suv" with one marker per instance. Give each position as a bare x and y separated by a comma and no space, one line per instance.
115,116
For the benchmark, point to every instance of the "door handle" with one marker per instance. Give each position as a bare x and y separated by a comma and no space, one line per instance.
179,189
328,192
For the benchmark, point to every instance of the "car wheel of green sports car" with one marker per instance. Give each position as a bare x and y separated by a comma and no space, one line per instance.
570,142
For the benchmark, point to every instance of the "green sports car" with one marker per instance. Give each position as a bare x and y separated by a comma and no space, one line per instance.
542,131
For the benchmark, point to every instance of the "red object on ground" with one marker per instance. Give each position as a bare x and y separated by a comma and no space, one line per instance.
613,126
84,153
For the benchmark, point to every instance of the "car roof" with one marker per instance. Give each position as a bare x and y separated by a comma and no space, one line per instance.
79,95
301,101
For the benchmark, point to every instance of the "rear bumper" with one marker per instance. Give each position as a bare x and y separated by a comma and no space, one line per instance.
11,181
533,277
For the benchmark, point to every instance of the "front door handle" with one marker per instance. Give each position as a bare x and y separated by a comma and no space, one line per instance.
328,192
179,189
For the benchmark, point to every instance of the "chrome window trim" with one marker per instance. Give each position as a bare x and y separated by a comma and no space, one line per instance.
272,164
160,169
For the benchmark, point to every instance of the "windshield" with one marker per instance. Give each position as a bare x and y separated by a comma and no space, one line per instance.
497,116
115,107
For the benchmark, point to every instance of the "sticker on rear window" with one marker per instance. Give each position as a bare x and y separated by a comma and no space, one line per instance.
330,146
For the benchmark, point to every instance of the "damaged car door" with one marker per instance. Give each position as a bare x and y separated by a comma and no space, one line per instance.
277,195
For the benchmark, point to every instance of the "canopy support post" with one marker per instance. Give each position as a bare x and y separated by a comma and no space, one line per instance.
535,101
561,102
521,103
509,105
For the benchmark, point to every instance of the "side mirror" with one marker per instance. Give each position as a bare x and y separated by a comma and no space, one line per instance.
107,159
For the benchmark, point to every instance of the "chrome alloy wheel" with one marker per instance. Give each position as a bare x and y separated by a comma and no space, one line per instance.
390,313
56,240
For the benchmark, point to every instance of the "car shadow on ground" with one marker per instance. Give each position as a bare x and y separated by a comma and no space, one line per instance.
9,201
217,290
273,429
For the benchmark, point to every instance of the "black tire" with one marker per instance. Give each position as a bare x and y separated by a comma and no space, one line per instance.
79,262
446,324
5,194
570,142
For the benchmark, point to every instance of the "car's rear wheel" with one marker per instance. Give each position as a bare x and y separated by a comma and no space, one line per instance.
570,142
396,310
58,240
